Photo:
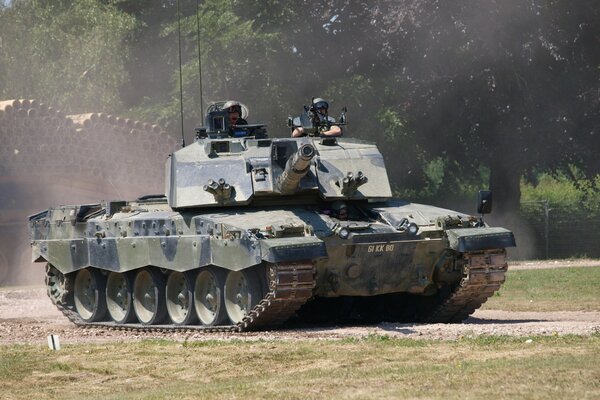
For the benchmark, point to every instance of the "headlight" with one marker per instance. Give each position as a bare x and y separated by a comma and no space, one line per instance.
413,228
344,233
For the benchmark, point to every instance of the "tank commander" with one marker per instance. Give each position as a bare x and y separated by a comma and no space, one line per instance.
318,113
234,113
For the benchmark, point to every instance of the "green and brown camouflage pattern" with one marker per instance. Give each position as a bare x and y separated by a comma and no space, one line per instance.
225,207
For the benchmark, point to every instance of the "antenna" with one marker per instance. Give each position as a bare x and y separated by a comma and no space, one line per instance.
199,56
180,74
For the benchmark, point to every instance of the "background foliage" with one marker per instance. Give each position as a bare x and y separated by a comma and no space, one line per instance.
459,95
72,55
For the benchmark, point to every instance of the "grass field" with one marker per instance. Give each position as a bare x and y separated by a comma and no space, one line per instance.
560,289
374,367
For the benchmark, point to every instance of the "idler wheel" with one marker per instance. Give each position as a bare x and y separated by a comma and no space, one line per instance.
58,286
242,292
208,296
179,295
89,293
149,297
119,298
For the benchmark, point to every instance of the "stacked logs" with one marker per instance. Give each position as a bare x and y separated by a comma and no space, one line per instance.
22,124
48,158
128,155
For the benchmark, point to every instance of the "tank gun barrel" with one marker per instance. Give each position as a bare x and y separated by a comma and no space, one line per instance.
295,169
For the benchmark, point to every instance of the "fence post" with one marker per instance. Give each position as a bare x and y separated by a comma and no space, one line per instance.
547,226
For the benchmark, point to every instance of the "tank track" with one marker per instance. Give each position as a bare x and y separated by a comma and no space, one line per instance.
483,274
290,286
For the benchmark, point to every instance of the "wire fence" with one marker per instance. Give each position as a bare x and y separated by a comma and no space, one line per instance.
560,232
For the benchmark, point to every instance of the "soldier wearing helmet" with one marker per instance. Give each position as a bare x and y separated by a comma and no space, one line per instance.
234,113
319,115
337,209
340,210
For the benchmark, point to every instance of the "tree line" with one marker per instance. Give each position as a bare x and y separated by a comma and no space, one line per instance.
458,95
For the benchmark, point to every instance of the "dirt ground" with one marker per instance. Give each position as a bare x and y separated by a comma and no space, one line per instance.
28,316
545,264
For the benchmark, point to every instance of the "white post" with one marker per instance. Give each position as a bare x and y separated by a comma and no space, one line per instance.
53,342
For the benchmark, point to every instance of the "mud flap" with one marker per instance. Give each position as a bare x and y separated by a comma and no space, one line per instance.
465,240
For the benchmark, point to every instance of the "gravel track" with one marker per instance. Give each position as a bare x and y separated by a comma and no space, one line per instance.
28,316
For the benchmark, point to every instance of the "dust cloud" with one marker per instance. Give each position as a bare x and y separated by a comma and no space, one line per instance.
50,159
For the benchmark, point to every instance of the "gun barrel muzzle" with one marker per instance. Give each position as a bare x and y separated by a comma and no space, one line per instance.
296,168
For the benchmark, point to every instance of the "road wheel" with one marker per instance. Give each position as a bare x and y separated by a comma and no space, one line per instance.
242,292
180,299
89,292
149,297
208,296
119,298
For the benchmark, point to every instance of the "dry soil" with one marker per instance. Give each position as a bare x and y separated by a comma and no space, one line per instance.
28,316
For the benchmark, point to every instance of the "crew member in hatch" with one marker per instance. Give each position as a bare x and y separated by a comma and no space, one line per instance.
320,112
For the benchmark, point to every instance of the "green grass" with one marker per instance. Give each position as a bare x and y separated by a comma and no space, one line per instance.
374,367
560,289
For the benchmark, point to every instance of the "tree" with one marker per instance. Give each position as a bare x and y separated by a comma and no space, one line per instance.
153,55
70,54
509,86
237,63
453,92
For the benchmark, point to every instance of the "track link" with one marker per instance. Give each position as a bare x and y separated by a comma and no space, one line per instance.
290,286
483,274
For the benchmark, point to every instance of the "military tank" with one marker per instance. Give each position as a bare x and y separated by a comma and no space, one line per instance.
254,231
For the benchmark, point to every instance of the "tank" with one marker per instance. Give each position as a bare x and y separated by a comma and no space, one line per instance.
255,231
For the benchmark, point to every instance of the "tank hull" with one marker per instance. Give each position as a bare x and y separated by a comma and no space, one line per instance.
282,258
